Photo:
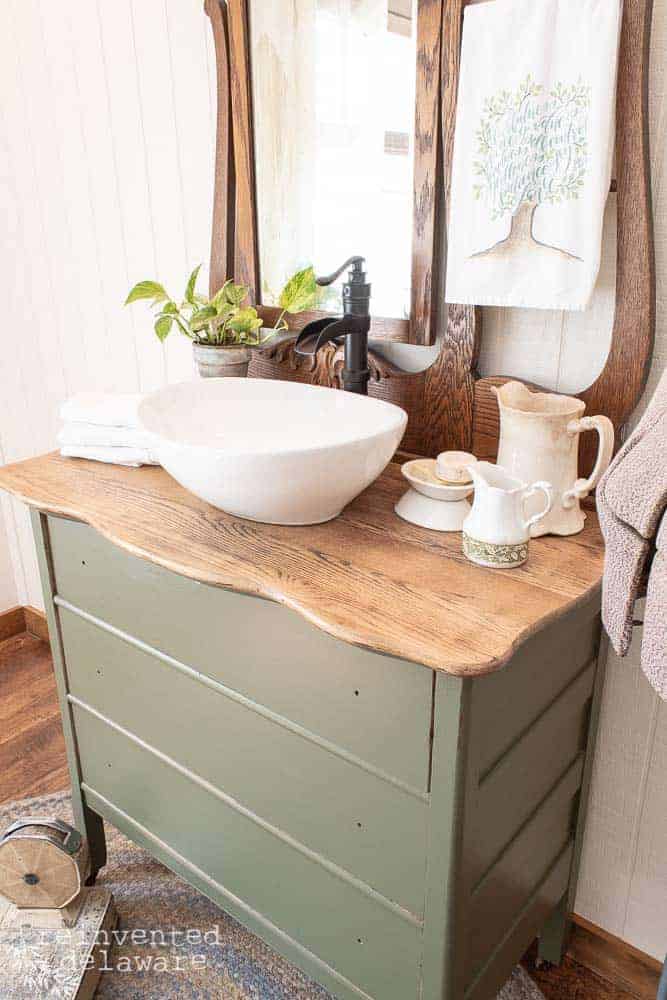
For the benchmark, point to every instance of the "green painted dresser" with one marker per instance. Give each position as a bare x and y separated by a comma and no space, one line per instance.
397,828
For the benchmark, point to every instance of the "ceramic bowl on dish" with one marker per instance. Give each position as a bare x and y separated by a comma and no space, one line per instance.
429,502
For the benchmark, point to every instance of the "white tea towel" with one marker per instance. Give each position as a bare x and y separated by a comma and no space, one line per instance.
108,409
533,152
132,457
95,435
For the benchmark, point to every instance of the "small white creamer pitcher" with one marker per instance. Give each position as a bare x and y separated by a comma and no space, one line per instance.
539,439
497,530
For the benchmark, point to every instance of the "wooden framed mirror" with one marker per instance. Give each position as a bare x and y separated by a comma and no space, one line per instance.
449,405
319,70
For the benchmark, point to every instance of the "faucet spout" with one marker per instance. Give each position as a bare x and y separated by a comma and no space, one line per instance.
315,335
351,329
353,332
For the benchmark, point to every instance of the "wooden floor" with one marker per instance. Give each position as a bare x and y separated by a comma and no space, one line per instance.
32,749
32,762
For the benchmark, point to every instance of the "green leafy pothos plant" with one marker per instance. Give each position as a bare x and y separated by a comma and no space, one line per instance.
224,320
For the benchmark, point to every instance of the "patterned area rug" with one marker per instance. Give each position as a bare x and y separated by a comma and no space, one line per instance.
174,944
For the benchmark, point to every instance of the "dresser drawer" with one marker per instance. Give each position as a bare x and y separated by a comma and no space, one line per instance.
373,707
368,943
363,824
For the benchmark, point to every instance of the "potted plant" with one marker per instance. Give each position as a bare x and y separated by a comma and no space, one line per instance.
224,328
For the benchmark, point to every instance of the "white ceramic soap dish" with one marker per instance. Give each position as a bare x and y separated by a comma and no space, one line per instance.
432,503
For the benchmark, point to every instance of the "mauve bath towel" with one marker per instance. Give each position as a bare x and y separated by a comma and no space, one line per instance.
631,500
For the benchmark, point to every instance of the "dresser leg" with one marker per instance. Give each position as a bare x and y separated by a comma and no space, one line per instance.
92,827
555,934
87,822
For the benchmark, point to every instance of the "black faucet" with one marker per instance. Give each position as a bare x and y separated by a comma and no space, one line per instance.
353,327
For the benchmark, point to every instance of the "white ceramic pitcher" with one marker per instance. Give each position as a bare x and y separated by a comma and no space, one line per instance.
497,530
539,439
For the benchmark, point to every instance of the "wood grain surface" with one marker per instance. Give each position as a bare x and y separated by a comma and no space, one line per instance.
449,410
224,185
246,256
427,152
619,387
32,749
11,623
367,577
614,959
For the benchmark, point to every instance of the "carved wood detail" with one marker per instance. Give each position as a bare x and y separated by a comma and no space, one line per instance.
325,369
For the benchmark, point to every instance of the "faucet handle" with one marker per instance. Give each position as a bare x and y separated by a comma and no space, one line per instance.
357,274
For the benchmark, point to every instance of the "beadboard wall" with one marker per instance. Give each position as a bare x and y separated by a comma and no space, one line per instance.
107,130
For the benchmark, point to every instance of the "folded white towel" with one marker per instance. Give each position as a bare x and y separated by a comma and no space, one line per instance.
103,427
533,152
132,457
97,436
106,409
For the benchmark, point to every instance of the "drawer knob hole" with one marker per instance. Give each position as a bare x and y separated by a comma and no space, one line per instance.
356,694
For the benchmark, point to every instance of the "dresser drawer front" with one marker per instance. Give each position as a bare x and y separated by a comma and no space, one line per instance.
367,826
363,940
374,707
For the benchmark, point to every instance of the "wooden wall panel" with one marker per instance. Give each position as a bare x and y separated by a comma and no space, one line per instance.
155,72
9,593
124,121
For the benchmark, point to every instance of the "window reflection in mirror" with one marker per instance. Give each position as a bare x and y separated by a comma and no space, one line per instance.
334,108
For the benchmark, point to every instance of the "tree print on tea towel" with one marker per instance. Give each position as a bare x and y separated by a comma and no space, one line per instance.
532,148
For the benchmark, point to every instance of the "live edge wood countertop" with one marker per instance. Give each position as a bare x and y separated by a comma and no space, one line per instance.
367,577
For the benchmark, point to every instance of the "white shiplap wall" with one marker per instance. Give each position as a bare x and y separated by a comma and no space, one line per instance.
106,152
8,588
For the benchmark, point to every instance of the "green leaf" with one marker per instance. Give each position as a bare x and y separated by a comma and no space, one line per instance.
199,319
190,288
163,326
245,321
235,294
221,294
169,309
147,290
300,293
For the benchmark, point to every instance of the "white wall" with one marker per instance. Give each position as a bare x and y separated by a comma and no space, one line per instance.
107,115
8,589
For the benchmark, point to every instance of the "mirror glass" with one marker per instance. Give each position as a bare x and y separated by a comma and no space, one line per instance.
334,109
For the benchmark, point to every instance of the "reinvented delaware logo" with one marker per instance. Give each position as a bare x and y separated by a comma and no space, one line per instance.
532,149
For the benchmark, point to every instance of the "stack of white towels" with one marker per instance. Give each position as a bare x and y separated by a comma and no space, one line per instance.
104,427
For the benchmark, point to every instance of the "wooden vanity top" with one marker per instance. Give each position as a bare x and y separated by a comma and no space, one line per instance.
368,577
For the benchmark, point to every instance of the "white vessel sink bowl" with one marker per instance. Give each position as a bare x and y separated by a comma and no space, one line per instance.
279,452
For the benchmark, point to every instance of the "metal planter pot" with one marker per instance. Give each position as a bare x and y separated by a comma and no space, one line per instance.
215,361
